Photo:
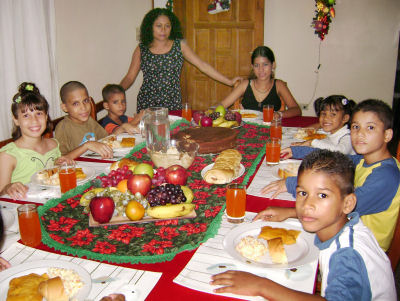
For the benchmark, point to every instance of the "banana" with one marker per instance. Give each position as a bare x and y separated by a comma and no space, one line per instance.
87,196
188,194
218,121
170,211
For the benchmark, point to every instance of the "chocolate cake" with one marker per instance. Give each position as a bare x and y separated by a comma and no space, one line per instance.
210,139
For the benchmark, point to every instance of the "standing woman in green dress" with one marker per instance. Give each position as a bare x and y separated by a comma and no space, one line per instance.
160,56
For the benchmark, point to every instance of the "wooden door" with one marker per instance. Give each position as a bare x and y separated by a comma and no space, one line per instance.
224,40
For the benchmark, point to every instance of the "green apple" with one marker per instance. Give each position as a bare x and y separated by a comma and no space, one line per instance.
188,193
221,110
144,169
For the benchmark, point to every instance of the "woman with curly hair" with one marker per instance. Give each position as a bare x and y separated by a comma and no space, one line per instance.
160,56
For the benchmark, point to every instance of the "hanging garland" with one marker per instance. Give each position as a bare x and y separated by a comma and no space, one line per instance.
218,6
169,5
324,15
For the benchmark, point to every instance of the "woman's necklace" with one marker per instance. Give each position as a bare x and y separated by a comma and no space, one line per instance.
266,91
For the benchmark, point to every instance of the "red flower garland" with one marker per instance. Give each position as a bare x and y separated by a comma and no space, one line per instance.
322,19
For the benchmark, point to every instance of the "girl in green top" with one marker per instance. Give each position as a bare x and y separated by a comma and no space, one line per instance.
30,151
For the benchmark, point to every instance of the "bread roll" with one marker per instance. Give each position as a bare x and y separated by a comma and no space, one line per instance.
128,142
225,169
277,251
288,237
53,290
26,288
125,161
290,170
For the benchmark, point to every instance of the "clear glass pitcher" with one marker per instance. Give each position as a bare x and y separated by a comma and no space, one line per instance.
155,128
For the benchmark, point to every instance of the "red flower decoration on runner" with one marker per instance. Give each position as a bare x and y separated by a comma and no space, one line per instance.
73,202
198,195
251,157
194,228
125,233
104,247
156,246
82,238
212,212
64,224
57,238
167,222
220,191
58,208
167,233
199,184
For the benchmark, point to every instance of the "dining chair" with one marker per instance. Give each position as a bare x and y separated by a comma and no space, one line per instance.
394,251
96,108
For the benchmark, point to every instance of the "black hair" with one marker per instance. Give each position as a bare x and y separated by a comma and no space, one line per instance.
262,51
380,108
29,98
335,164
69,87
334,103
111,89
146,28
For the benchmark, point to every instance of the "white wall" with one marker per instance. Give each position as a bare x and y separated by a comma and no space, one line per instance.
358,56
95,40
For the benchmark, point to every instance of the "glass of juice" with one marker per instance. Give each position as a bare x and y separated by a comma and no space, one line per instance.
273,151
67,176
187,111
276,128
29,225
268,113
235,203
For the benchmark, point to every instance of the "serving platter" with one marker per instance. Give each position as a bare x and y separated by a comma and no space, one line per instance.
208,167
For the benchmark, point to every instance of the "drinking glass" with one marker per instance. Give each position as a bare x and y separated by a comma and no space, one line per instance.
273,151
29,225
276,128
156,128
235,203
67,176
268,113
187,111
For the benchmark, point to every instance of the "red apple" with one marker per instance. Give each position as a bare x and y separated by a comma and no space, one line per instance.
206,121
197,115
176,174
238,118
139,183
102,208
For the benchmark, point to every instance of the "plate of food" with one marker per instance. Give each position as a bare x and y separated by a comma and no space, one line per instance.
271,245
48,177
119,143
210,166
309,134
286,169
41,275
249,115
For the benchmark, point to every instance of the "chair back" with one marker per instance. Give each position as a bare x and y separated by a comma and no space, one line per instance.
394,251
236,104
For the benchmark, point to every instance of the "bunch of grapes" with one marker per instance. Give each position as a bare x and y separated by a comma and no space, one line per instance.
159,177
115,176
165,194
214,115
230,116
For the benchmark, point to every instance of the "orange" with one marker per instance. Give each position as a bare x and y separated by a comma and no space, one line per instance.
122,185
134,211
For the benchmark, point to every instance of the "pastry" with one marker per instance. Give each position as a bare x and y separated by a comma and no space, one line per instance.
128,142
288,237
210,139
251,248
289,170
277,251
26,287
53,290
70,279
225,169
125,161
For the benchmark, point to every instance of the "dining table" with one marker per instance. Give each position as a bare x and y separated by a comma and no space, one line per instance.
170,267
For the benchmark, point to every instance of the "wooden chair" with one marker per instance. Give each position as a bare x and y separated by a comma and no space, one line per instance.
394,250
96,108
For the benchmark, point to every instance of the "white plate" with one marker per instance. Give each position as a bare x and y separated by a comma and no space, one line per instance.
208,167
302,252
275,168
258,113
90,173
40,267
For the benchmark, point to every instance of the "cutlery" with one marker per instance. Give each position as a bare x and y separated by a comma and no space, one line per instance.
104,279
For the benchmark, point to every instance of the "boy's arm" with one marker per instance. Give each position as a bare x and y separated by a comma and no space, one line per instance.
299,152
100,148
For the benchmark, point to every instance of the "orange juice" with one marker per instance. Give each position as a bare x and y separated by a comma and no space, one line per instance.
268,113
235,202
187,114
67,179
29,225
273,151
276,131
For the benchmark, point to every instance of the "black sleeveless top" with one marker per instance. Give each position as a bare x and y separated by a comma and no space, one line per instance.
249,101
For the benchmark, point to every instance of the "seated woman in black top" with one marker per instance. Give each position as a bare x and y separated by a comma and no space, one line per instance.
261,88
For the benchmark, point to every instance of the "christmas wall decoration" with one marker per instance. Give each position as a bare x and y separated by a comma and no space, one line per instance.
324,14
218,6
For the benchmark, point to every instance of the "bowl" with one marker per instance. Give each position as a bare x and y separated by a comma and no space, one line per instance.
178,152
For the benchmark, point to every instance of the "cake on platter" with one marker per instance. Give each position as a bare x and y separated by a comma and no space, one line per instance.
210,139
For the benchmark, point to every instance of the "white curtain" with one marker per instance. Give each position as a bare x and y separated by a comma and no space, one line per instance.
27,53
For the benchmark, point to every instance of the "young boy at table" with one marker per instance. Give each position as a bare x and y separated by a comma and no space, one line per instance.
352,265
116,122
78,132
377,179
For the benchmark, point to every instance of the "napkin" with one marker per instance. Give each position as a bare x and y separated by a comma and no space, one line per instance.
40,194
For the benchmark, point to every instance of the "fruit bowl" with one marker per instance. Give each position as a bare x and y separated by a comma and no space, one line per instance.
178,153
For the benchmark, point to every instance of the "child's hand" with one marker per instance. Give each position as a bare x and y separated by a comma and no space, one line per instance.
4,264
62,160
303,143
129,128
286,153
102,149
16,191
136,119
113,297
277,187
275,214
238,282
